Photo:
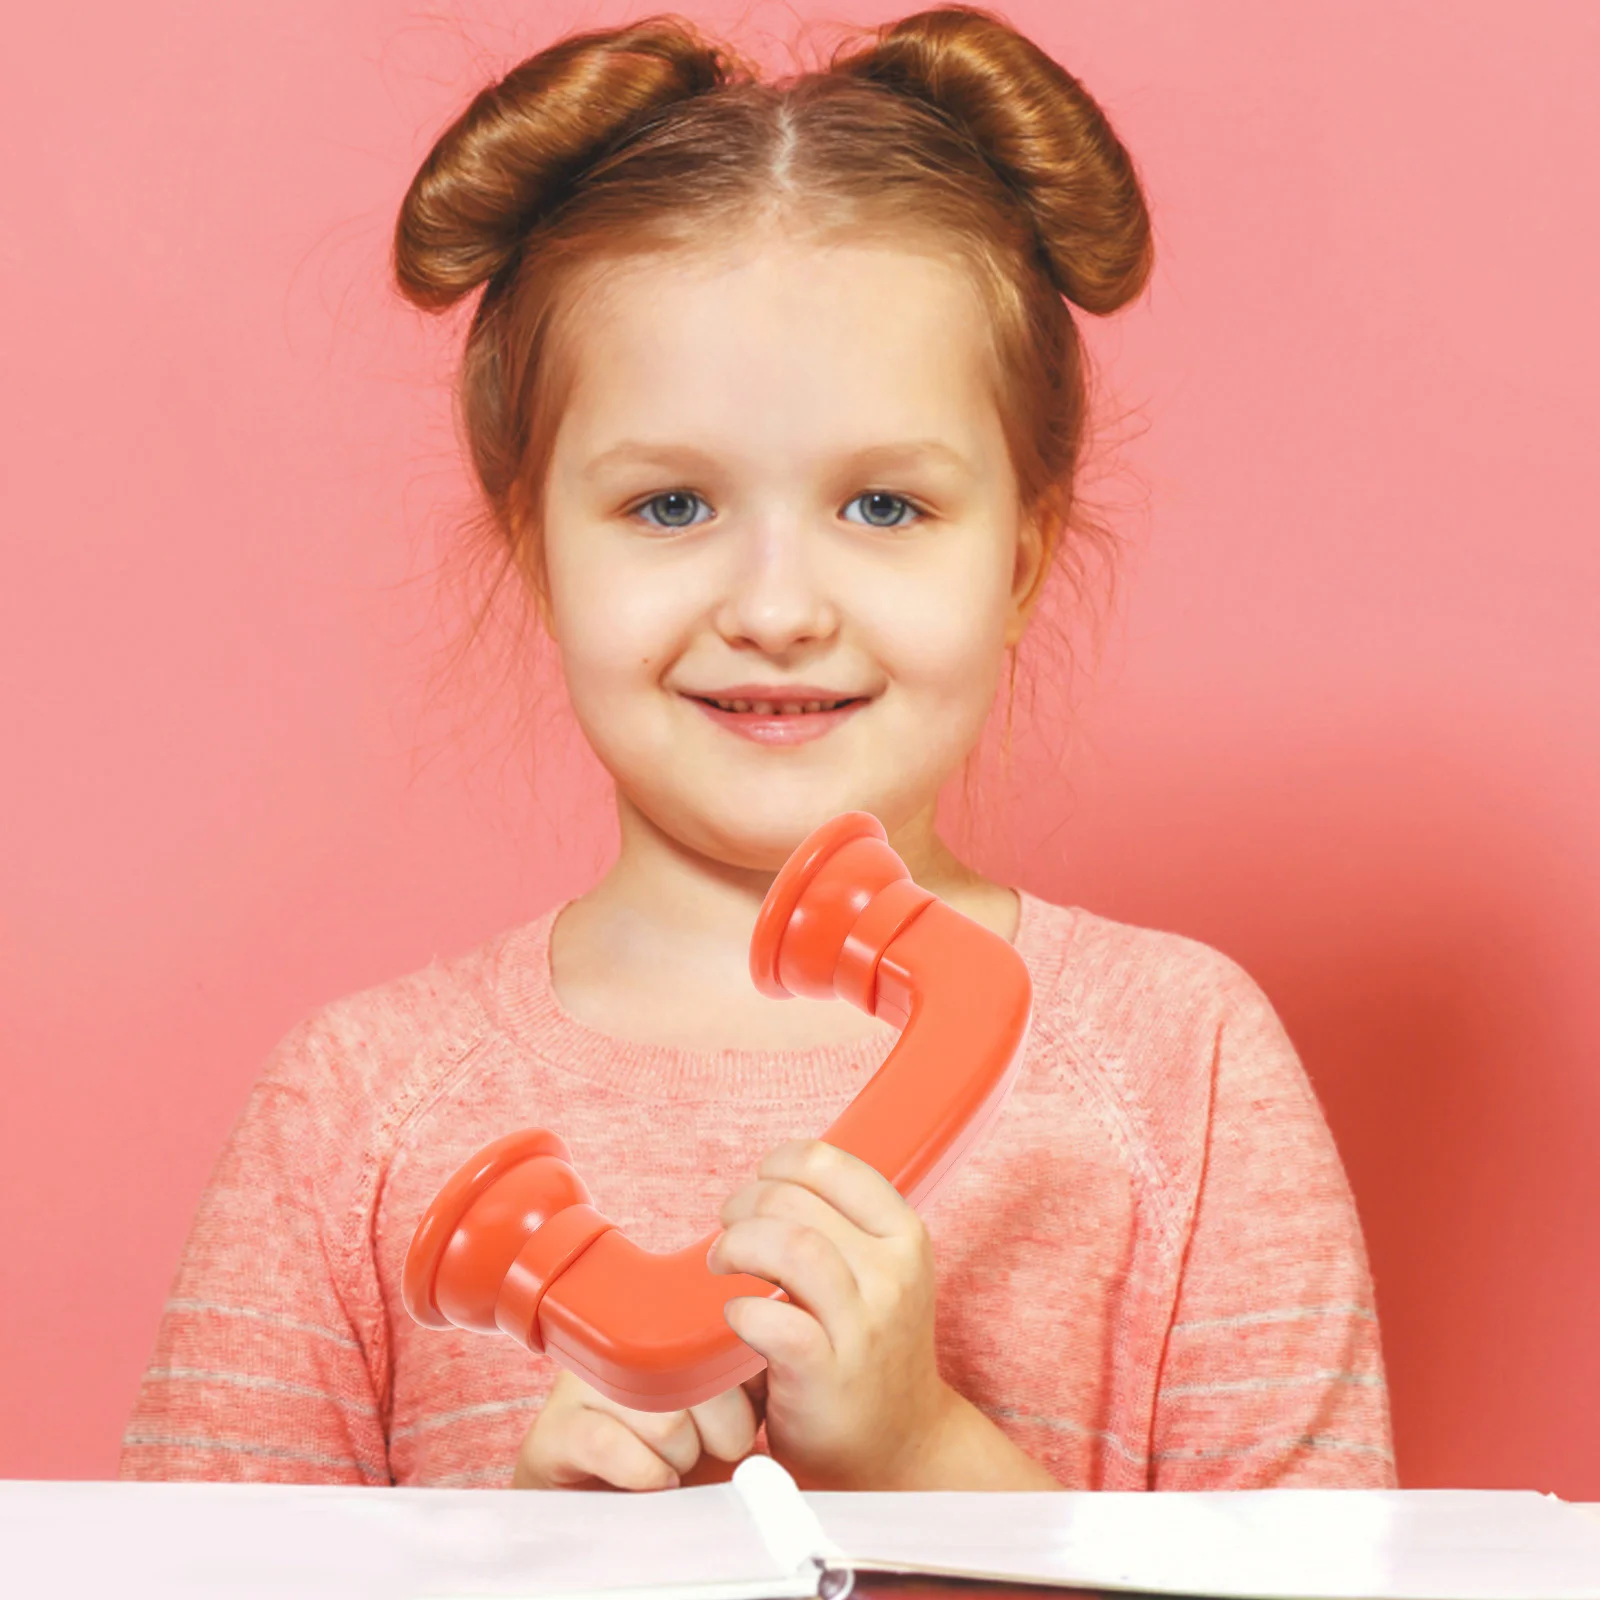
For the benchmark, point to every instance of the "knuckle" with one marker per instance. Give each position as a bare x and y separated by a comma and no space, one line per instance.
913,1256
655,1428
809,1250
622,1458
636,1468
773,1199
797,1343
729,1435
588,1433
818,1159
884,1298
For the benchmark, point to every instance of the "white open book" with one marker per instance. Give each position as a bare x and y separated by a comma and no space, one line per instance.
759,1538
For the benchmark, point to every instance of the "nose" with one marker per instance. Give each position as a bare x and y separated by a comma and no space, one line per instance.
776,599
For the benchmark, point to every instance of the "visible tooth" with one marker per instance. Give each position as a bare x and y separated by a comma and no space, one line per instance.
813,705
762,708
738,705
792,708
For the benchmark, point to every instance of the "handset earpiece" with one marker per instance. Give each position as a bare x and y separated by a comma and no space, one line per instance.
499,1232
512,1242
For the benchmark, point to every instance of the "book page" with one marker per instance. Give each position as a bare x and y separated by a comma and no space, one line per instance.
162,1541
1274,1544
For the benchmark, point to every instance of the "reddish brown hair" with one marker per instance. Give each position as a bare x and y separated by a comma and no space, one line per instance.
949,128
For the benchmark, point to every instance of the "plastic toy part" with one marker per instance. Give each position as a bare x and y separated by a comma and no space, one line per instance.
513,1243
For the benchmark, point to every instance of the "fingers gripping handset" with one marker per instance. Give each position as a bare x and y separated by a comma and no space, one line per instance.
513,1242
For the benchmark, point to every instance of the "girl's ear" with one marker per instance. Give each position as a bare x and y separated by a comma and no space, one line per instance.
1037,535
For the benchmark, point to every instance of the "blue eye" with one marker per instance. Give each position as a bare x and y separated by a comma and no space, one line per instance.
674,508
880,509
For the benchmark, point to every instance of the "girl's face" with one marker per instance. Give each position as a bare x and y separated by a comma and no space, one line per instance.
783,549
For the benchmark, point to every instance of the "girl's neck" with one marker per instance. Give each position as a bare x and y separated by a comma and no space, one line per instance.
658,949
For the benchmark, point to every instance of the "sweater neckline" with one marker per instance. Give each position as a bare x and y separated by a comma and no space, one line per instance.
533,1014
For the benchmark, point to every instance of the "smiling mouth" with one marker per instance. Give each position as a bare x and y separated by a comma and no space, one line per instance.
779,708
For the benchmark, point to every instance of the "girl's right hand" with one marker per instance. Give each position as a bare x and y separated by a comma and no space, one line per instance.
581,1439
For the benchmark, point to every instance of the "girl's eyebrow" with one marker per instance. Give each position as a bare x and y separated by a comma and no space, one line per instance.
638,452
901,454
908,454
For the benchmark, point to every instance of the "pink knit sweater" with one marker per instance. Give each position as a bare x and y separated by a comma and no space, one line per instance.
1150,1271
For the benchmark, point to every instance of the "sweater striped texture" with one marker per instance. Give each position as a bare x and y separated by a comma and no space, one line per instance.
1151,1273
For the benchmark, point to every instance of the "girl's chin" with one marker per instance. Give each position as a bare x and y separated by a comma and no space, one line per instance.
755,826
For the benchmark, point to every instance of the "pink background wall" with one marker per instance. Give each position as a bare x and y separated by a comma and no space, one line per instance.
1348,731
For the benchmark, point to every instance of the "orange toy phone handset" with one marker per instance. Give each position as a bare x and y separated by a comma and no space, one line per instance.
513,1243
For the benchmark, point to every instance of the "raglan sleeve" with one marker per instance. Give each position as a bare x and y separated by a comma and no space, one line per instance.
1272,1374
260,1371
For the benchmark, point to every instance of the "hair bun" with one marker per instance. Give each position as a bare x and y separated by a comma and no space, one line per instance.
517,149
1042,133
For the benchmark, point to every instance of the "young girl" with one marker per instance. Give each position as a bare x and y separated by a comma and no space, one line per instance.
777,400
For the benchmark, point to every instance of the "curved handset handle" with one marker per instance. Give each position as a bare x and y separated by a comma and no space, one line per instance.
513,1243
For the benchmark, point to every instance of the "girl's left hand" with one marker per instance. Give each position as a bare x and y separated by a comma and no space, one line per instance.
853,1396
